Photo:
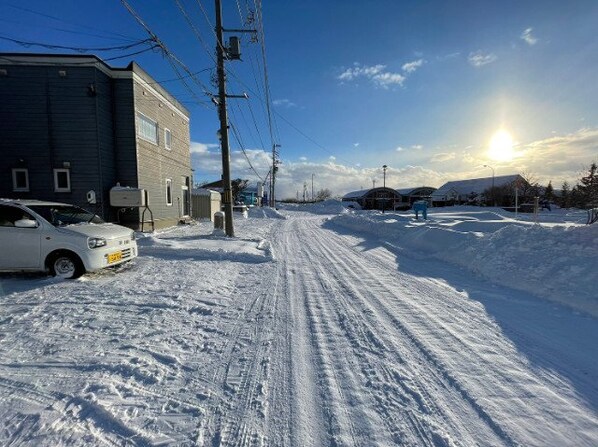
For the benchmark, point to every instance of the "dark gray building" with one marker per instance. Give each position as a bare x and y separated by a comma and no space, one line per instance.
71,124
374,199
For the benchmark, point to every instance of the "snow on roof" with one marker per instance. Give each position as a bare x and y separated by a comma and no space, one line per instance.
476,185
356,194
204,192
409,191
364,192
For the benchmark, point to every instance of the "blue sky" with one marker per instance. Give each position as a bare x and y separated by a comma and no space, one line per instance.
421,86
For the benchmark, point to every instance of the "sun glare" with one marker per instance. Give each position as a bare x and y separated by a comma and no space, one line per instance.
501,146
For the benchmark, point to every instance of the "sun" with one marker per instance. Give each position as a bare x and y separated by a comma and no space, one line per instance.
501,146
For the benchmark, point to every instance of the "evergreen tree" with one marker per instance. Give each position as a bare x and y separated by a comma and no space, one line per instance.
566,195
549,192
588,189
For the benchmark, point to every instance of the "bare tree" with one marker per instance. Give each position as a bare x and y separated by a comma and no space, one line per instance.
323,194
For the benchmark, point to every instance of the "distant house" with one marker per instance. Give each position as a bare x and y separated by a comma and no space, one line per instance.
374,199
218,185
73,127
472,191
249,196
410,195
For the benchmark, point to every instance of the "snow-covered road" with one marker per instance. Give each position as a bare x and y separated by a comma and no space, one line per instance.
321,337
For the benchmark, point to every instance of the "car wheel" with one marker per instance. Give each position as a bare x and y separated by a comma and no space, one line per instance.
67,266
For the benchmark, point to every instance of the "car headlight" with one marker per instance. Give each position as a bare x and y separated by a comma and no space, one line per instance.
95,242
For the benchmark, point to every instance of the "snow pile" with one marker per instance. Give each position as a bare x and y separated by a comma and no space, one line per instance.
331,206
264,212
550,260
188,243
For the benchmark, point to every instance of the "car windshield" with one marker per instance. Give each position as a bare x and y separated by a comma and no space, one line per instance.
61,215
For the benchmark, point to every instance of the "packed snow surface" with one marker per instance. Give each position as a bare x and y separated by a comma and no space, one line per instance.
315,326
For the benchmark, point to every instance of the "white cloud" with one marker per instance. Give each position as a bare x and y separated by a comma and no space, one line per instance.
417,147
529,38
303,158
479,58
443,156
202,147
557,158
284,103
400,149
448,56
410,67
374,73
332,158
386,79
355,144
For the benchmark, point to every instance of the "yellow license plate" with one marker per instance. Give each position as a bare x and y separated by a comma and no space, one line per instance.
114,257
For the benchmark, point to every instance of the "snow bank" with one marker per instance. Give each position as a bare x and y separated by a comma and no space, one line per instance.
331,206
187,243
556,261
264,212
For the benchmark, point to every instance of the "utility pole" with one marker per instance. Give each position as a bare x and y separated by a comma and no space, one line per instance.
274,169
232,52
312,187
228,193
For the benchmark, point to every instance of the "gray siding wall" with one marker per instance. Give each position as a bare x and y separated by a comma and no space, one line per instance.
156,163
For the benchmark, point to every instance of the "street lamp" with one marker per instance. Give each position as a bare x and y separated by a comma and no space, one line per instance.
384,169
384,184
493,192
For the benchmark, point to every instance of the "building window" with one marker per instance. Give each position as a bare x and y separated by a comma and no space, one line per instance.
147,129
167,139
62,180
20,180
169,192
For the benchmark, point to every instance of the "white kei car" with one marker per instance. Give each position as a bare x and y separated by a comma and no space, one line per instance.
64,239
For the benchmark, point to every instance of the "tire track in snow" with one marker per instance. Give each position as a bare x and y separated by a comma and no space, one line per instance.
331,353
236,418
365,321
297,397
466,347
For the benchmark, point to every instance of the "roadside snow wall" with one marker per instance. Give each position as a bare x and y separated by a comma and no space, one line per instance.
558,263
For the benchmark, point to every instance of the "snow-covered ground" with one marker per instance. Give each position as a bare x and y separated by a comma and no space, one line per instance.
315,326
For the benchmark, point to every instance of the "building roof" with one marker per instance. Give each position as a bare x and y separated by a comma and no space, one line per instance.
356,194
216,184
476,185
409,191
91,60
205,192
364,192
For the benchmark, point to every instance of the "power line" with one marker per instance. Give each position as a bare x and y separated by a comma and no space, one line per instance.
31,11
79,49
241,146
171,58
195,30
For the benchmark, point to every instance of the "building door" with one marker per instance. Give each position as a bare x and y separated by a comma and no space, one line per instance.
186,195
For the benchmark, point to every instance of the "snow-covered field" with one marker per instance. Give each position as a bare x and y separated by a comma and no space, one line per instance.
315,326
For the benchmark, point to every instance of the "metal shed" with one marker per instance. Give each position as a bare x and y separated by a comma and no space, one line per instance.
204,203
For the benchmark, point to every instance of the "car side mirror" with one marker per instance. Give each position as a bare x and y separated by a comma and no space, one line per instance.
26,223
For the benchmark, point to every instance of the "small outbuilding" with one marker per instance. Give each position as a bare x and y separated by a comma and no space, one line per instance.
410,195
374,199
472,190
204,203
